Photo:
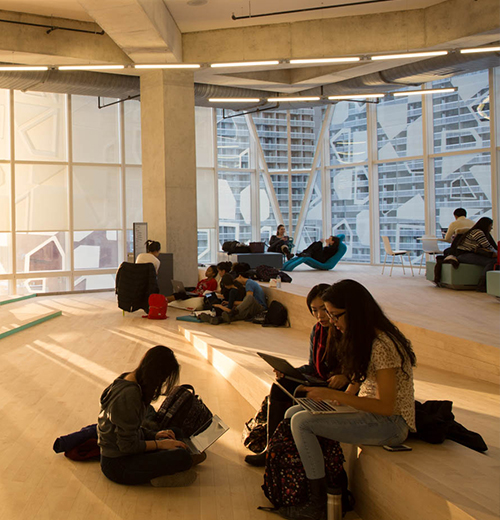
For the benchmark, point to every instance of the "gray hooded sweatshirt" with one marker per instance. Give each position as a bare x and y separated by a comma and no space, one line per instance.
119,429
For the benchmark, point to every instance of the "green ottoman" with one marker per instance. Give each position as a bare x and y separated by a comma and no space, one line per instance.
466,277
493,283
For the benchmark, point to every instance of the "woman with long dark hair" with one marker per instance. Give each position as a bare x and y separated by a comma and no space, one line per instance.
280,243
378,360
131,454
477,247
322,365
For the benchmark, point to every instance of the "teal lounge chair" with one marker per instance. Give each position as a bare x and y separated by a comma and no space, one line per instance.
330,264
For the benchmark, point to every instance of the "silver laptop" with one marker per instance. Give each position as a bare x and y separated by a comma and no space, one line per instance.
178,287
203,438
319,407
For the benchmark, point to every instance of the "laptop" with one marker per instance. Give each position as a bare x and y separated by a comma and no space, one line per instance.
205,436
290,372
326,407
178,287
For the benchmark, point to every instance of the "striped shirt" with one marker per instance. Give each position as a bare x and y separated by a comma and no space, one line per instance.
475,239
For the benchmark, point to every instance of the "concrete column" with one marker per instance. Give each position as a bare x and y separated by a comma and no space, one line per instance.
169,167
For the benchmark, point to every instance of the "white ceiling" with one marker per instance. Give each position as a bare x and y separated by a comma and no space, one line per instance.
216,14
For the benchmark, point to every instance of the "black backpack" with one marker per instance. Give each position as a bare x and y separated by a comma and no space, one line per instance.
276,316
182,408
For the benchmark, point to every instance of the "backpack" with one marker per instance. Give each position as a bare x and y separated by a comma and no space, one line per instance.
276,315
285,482
182,408
255,430
157,307
265,273
229,245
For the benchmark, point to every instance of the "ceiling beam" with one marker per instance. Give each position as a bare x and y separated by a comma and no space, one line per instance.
143,29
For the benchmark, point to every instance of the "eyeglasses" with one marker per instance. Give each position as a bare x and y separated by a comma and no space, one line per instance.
335,317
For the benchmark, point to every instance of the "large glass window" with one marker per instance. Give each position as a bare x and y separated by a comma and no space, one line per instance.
399,127
462,118
42,251
312,229
5,196
350,211
401,200
348,133
40,120
233,141
4,125
272,129
235,208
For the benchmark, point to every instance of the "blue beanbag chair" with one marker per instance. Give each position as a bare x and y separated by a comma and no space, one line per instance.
330,264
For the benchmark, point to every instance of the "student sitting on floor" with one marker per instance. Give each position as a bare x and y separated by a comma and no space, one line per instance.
253,303
207,284
233,293
322,364
378,360
322,253
131,454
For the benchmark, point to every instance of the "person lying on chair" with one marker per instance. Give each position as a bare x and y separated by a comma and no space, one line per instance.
322,253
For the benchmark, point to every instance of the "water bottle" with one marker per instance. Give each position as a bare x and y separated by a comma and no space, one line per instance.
278,282
334,504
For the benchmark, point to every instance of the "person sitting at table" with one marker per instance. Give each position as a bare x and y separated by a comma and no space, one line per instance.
461,222
151,256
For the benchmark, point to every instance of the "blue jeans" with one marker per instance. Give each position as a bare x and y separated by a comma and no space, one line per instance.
352,428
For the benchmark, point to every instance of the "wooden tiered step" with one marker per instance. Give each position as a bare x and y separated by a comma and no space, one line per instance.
438,482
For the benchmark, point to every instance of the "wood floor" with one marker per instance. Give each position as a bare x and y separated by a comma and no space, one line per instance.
51,378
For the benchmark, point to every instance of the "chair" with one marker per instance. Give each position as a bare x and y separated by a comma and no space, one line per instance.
389,251
330,264
430,246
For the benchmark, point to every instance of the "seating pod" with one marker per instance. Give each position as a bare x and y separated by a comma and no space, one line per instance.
330,264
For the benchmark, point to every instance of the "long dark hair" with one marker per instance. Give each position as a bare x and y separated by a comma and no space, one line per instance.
152,246
316,292
224,266
482,224
365,321
157,373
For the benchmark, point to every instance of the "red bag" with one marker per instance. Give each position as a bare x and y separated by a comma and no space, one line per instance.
157,307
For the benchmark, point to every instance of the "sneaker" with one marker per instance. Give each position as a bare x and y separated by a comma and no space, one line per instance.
289,256
182,479
226,318
258,460
205,318
216,320
198,458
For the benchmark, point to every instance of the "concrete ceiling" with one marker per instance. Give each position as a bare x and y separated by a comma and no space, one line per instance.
159,31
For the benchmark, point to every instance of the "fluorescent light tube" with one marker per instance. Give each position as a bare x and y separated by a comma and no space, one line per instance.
91,67
429,91
409,55
169,66
245,64
480,49
21,68
358,96
290,99
234,100
324,60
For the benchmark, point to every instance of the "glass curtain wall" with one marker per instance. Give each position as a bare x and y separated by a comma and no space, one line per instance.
68,191
314,168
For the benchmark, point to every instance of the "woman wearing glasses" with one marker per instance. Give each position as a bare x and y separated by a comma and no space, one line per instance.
378,360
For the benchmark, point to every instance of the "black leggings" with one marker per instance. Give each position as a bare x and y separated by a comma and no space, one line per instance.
142,467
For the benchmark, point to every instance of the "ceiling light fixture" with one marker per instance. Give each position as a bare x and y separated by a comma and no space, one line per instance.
324,60
358,96
480,49
292,99
234,100
15,69
410,55
91,67
246,64
169,66
428,91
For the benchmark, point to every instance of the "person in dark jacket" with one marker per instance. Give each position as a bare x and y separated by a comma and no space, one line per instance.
322,253
280,243
134,455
